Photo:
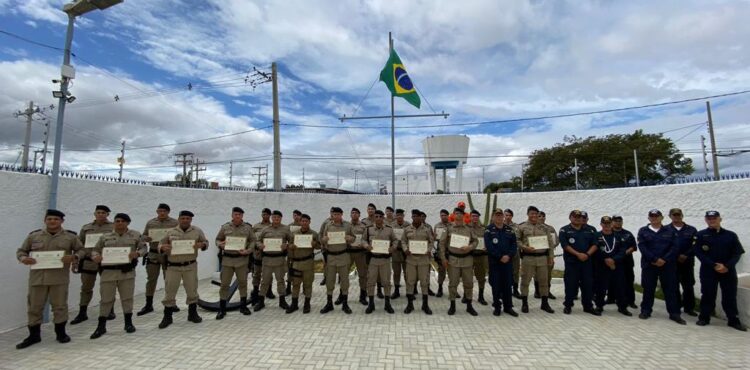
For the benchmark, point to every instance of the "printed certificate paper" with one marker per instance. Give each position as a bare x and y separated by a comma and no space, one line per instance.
538,242
91,240
47,260
380,246
419,247
115,255
272,244
459,241
303,240
235,243
336,237
182,247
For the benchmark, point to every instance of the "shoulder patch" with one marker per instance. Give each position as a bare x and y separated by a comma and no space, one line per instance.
35,231
72,232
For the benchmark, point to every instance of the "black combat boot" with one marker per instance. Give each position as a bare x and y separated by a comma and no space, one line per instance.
149,307
525,304
261,304
193,313
329,305
345,304
111,315
370,305
470,309
243,306
481,297
430,292
425,307
339,299
363,297
439,292
254,295
306,308
388,308
396,292
288,290
380,291
129,327
167,319
60,334
536,290
282,302
452,309
545,306
81,317
101,328
409,306
35,336
294,306
222,309
269,293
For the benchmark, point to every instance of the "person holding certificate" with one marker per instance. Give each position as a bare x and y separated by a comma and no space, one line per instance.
235,241
89,236
500,240
337,234
480,256
302,271
117,254
380,241
455,252
358,256
418,242
272,243
156,229
49,252
293,227
553,235
257,258
181,245
439,232
398,260
538,251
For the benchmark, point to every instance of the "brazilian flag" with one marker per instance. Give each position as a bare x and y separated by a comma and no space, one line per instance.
397,80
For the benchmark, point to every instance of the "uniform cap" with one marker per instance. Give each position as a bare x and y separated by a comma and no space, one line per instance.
102,207
297,212
606,219
675,212
616,217
305,216
54,213
238,210
123,216
186,213
444,212
355,209
475,212
532,208
266,211
164,206
336,210
712,214
508,210
458,210
575,213
416,212
277,213
497,211
654,213
461,204
379,212
399,211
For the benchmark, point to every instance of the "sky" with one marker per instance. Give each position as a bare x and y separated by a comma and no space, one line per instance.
479,61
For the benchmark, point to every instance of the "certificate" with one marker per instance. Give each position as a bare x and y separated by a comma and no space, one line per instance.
272,244
419,247
91,240
47,260
439,233
294,228
539,242
182,247
398,233
115,255
459,241
381,246
303,240
480,244
157,234
357,240
235,243
336,237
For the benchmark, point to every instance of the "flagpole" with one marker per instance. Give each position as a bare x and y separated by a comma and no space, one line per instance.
393,137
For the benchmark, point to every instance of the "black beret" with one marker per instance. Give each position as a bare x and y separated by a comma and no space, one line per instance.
297,212
379,212
266,211
575,212
458,210
541,213
508,210
186,213
444,212
238,210
355,209
305,216
423,214
102,207
277,213
532,208
416,212
372,205
123,216
399,211
389,208
332,208
475,212
163,206
54,213
336,210
616,218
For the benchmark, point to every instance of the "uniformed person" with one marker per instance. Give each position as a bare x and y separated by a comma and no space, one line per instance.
500,241
155,261
418,261
685,261
303,265
274,263
182,267
294,226
628,264
257,258
432,249
508,220
118,277
398,259
608,269
719,250
459,261
234,262
86,267
658,246
338,259
379,268
358,256
481,264
370,219
579,245
323,251
553,235
536,259
50,283
440,229
389,215
467,217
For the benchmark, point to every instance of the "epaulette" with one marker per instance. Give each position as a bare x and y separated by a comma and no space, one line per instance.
247,223
35,231
72,232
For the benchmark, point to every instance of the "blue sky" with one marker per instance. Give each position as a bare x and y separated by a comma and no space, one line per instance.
477,60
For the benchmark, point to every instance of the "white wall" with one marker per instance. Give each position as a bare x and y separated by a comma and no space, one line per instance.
23,200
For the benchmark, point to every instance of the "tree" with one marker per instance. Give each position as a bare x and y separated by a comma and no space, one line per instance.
606,162
498,187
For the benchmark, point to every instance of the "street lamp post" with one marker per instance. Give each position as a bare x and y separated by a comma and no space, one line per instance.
74,9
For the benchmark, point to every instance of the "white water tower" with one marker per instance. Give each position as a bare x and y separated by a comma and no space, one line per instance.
448,152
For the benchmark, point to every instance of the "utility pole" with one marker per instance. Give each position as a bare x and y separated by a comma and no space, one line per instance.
303,177
705,156
714,157
637,175
266,183
575,167
29,113
184,162
337,181
356,187
260,173
121,160
276,139
522,177
37,152
198,169
230,174
46,143
407,181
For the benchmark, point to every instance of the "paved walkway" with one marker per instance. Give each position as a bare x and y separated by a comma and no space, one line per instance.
273,339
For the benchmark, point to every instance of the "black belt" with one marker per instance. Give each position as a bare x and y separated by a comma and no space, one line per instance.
355,250
180,264
380,255
480,252
300,259
537,254
274,254
123,267
233,255
337,253
459,255
89,272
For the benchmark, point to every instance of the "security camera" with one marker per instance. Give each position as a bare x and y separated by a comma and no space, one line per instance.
71,99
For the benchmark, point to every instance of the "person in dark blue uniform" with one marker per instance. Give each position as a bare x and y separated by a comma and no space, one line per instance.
500,240
579,245
608,268
685,261
719,250
628,264
658,246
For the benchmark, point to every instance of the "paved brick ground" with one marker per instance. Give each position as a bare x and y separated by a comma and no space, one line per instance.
273,339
